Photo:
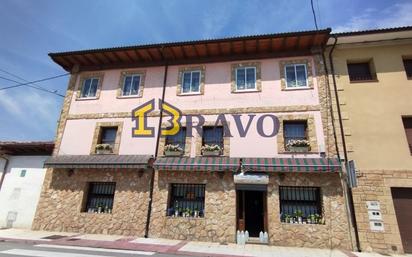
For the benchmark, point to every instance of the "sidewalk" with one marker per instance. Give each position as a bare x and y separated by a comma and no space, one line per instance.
169,246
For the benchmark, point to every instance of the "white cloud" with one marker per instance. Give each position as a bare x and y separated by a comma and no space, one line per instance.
395,16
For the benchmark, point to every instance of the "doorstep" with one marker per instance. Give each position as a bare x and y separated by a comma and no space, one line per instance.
255,241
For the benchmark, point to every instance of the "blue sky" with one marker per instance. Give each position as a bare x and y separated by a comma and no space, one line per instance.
31,29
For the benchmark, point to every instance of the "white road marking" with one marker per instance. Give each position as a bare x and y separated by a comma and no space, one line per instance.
34,253
94,249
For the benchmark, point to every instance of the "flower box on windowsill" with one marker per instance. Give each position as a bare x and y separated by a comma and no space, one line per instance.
210,153
299,149
173,153
104,151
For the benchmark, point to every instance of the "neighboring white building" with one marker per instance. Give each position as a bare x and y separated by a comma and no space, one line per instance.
21,184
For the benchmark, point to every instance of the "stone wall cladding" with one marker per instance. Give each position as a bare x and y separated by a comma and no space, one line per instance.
61,203
242,110
219,223
375,185
334,234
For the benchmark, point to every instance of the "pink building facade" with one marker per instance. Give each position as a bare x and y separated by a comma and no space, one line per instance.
279,176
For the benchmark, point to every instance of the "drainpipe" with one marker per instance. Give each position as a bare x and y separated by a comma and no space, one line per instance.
345,153
149,210
3,174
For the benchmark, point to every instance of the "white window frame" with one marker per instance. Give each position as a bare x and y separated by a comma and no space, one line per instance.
246,89
138,87
296,75
97,88
191,82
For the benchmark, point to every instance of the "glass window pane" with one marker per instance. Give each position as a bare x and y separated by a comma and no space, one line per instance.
178,139
108,135
186,82
86,88
290,76
213,136
135,85
240,78
301,75
127,85
195,81
250,78
93,88
296,130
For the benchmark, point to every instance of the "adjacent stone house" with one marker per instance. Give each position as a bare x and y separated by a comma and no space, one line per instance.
255,149
373,72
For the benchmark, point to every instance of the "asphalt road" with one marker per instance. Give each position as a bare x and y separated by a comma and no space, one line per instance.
8,249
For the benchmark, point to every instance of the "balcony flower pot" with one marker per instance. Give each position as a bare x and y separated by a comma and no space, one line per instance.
211,153
211,150
173,150
299,149
104,149
173,153
298,145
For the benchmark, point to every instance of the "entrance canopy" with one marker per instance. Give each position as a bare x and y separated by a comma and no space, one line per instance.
291,165
98,161
198,164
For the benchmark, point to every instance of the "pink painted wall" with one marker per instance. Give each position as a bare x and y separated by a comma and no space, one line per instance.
77,138
217,90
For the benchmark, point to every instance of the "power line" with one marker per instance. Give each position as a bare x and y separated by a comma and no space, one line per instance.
314,15
39,88
35,81
35,86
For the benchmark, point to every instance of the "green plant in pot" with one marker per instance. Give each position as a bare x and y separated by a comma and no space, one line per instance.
173,150
299,215
104,148
288,218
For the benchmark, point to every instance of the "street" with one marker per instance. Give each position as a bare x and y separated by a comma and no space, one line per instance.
8,249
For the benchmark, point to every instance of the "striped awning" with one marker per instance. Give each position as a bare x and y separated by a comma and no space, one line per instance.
197,164
291,164
98,161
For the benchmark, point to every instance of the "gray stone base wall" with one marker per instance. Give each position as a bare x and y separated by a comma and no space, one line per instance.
333,234
375,185
63,196
219,223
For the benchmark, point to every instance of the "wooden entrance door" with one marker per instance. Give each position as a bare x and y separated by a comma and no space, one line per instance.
402,201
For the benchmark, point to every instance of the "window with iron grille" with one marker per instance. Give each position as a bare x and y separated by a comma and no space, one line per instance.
178,139
187,200
304,200
407,125
360,71
213,136
100,197
407,63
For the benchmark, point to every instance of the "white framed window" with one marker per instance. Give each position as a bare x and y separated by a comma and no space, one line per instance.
245,78
89,87
191,82
131,85
296,76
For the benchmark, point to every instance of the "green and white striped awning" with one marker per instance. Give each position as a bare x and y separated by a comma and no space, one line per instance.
197,164
291,165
